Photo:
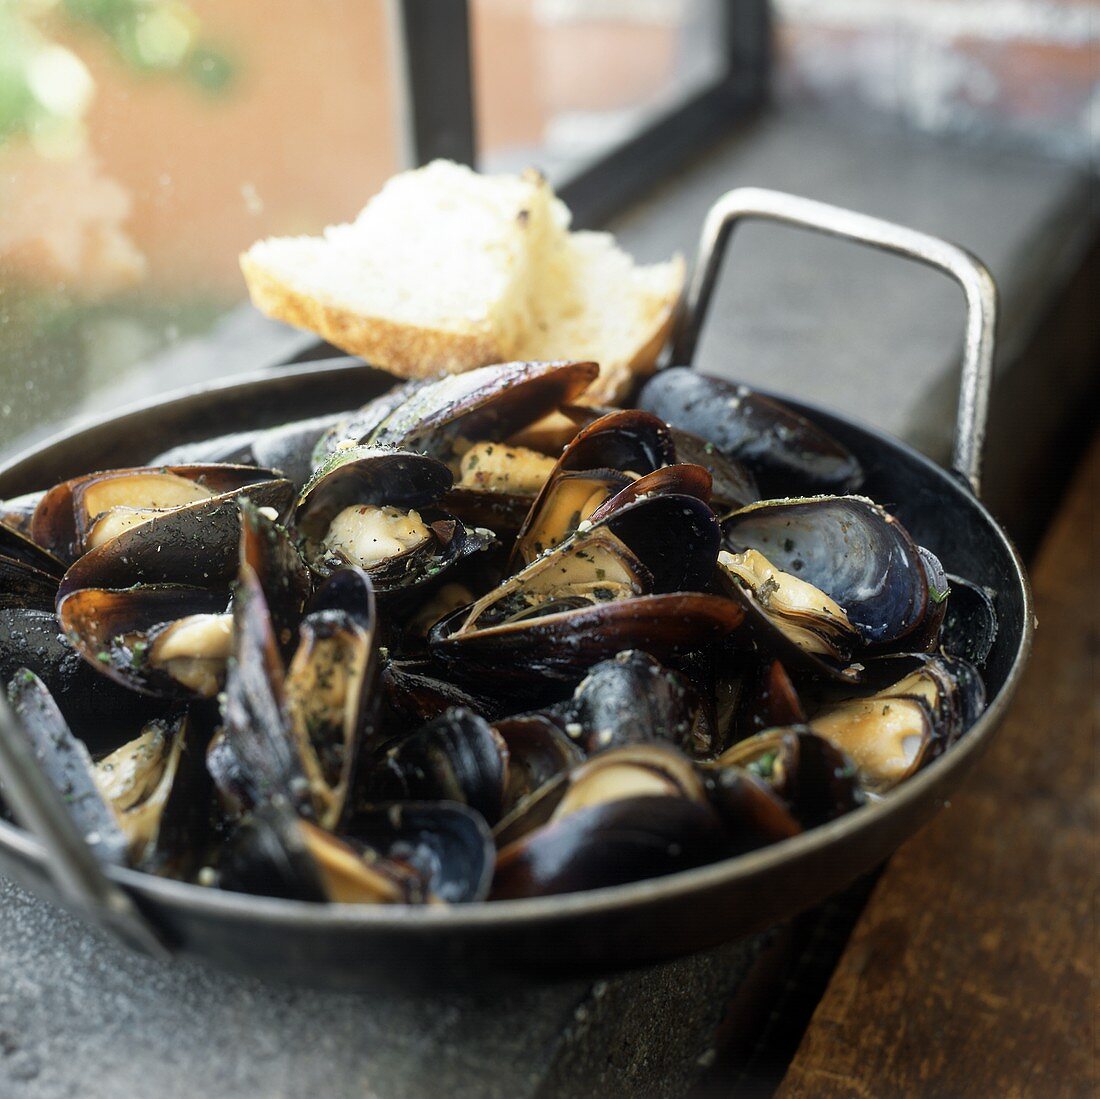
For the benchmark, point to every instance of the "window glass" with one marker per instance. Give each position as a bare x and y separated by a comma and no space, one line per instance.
558,82
143,145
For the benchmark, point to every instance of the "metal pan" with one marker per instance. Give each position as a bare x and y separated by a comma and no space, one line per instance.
599,931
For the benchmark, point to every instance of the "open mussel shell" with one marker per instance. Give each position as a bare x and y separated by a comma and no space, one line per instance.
129,805
750,808
330,690
629,699
489,403
560,648
786,451
456,757
447,845
15,545
733,485
848,547
368,475
969,627
167,640
815,779
676,480
538,751
766,697
630,771
604,457
586,600
610,843
275,853
93,704
78,514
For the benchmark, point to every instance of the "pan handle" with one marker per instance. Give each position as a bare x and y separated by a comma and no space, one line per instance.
971,274
76,872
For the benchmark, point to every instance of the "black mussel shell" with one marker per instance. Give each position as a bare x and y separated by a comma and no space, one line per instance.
63,515
254,707
16,546
849,548
732,485
490,403
970,626
289,447
66,764
610,844
117,631
447,845
558,649
817,781
787,452
415,693
538,751
274,853
23,587
457,757
368,475
753,812
92,704
233,448
630,699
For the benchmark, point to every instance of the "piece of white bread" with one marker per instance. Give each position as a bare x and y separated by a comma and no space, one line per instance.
446,270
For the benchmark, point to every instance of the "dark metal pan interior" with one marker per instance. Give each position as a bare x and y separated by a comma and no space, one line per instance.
599,931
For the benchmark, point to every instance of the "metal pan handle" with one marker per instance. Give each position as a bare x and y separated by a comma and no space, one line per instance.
75,870
970,273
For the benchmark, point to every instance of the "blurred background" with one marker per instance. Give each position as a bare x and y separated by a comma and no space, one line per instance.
145,143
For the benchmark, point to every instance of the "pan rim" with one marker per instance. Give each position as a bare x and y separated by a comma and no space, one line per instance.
626,899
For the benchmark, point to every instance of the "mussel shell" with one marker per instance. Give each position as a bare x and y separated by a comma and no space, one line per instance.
610,844
415,693
732,485
266,855
629,699
368,475
786,451
254,707
492,402
448,845
457,757
22,586
625,439
817,781
847,546
57,526
538,750
93,618
675,537
289,447
92,704
16,546
560,648
337,649
752,811
66,764
675,480
197,545
767,699
970,625
233,448
501,512
17,512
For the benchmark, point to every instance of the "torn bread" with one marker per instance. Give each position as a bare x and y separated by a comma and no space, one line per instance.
445,270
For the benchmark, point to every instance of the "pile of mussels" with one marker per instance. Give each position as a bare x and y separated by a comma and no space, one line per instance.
477,641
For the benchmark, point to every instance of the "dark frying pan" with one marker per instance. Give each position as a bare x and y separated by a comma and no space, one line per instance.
349,946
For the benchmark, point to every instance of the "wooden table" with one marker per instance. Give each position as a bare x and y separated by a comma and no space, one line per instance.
973,970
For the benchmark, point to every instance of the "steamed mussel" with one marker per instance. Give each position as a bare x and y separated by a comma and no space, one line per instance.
476,641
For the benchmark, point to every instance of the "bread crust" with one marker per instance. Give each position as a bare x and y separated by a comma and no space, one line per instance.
409,351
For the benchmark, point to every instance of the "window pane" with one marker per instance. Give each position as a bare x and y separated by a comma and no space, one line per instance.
560,81
143,145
